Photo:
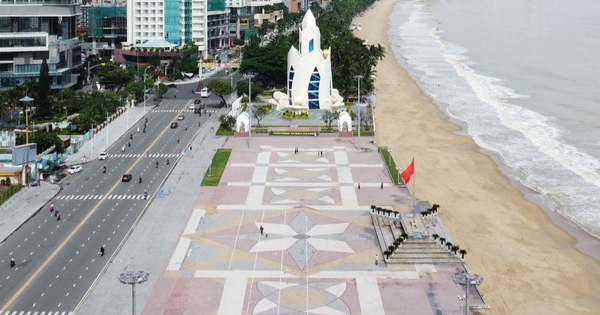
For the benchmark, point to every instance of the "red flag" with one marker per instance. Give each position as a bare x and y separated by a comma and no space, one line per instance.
408,172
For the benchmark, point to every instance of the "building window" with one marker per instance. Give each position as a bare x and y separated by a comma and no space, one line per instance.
311,45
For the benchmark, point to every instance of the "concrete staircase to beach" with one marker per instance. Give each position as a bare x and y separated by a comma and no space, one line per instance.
416,249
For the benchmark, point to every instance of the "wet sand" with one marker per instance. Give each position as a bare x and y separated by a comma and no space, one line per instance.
529,264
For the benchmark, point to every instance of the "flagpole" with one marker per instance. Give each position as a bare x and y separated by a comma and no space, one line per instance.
414,192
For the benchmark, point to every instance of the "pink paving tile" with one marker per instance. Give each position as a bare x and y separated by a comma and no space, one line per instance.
301,295
184,296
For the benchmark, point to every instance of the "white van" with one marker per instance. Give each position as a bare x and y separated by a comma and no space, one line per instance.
204,92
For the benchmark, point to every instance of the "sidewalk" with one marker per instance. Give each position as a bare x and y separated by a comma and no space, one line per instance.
152,242
20,207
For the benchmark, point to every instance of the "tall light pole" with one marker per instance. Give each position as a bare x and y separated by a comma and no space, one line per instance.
26,100
132,278
106,129
358,78
145,88
468,279
250,76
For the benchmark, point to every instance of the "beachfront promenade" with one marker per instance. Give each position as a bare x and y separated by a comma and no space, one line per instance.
206,255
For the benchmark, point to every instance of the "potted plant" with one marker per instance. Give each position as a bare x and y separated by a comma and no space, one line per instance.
462,252
392,248
455,248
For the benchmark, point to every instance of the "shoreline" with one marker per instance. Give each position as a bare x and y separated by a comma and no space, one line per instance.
532,259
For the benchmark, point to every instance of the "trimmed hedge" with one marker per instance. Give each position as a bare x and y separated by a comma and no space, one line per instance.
9,193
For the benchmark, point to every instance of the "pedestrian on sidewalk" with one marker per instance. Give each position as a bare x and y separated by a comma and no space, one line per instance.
261,230
376,259
381,185
358,186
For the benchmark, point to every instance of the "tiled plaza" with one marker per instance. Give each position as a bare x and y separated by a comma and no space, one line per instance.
316,253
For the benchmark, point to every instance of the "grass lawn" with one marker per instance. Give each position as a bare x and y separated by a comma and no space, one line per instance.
215,171
391,165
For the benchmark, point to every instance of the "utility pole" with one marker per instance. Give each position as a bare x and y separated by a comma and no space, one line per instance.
250,76
358,78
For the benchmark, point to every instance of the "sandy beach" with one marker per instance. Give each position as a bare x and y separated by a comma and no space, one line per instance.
530,265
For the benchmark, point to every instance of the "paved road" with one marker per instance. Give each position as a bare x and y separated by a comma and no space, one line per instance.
57,260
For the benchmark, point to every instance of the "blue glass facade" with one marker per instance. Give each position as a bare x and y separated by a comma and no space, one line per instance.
173,22
313,89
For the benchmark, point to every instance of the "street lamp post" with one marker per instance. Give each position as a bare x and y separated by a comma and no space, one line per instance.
26,100
145,88
468,279
358,78
106,129
132,278
250,76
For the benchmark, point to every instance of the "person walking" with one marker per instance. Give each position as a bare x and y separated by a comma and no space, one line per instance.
381,185
261,230
376,259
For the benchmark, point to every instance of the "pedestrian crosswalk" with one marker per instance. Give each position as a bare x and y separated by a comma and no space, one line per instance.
137,155
184,111
35,313
98,197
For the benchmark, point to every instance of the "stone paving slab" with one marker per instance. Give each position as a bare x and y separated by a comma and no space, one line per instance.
318,259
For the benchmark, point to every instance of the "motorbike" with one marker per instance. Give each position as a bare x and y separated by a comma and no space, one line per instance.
104,170
156,164
167,161
12,262
145,195
140,179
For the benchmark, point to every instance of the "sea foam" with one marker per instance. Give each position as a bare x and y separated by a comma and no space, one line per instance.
531,146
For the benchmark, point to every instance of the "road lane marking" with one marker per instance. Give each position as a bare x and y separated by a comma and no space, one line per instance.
77,228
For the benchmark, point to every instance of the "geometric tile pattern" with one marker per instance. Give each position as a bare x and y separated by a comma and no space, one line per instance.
307,196
292,298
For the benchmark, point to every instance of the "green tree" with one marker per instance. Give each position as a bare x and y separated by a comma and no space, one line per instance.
227,122
220,88
328,117
242,88
44,108
46,140
260,112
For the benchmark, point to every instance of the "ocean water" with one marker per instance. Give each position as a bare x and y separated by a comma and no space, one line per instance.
523,78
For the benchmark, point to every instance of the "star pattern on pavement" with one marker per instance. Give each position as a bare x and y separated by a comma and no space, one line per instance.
302,238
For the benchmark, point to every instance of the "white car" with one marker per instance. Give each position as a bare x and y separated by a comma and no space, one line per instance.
75,169
102,156
204,92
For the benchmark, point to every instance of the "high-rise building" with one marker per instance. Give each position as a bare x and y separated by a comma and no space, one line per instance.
37,30
242,15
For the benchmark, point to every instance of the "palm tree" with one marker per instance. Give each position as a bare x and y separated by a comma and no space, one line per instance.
449,245
396,213
435,236
442,240
455,248
373,207
462,252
